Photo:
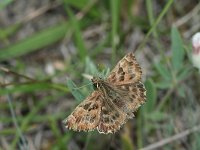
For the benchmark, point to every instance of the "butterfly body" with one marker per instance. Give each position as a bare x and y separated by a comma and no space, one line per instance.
113,101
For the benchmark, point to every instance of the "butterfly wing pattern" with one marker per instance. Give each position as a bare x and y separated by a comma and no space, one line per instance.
86,115
111,117
126,71
126,79
113,102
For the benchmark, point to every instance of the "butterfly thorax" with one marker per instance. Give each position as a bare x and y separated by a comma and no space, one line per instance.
98,83
102,85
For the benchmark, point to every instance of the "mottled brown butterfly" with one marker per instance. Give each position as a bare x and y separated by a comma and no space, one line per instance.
113,101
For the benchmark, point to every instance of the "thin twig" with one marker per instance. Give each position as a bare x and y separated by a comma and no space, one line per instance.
165,98
39,12
82,13
188,16
191,31
172,138
15,73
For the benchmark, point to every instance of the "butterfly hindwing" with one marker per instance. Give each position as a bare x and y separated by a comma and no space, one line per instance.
132,95
111,117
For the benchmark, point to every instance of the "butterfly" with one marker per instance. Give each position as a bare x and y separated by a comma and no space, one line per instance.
114,100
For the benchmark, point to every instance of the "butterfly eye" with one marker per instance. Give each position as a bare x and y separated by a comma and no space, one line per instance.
95,85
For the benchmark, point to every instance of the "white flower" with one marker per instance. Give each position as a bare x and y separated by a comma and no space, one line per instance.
196,50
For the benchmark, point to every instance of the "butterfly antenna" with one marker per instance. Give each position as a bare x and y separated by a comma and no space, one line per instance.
82,86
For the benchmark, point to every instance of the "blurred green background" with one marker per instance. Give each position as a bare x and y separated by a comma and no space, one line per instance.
46,48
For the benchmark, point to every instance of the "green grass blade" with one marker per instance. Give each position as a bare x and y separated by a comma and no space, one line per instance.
115,9
35,42
163,71
156,116
81,4
149,7
75,92
42,103
151,96
31,87
4,3
90,67
184,73
164,84
15,122
6,32
126,142
82,51
177,49
165,10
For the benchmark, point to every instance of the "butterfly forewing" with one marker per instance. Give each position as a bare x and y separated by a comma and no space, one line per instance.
126,71
86,115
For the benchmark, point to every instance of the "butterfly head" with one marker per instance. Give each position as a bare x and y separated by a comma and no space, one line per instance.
97,82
